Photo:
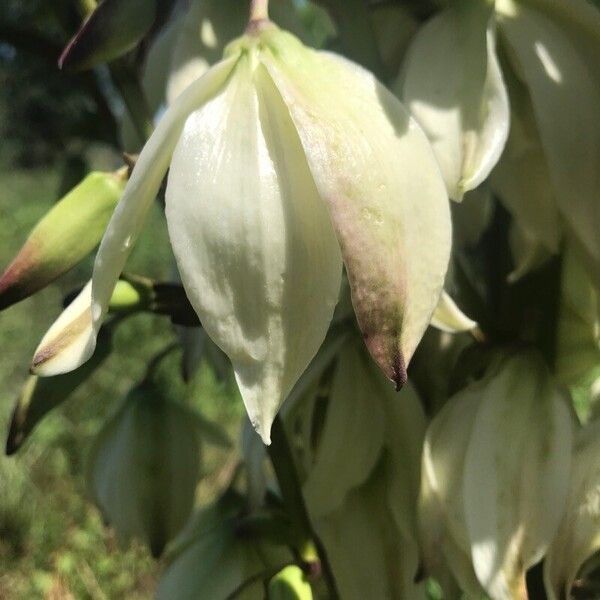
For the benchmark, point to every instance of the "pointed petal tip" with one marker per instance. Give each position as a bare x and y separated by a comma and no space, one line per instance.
400,375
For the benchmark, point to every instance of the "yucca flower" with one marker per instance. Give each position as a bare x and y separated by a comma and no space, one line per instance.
461,72
284,163
495,477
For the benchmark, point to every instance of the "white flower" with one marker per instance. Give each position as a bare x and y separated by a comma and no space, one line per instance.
495,477
452,84
283,162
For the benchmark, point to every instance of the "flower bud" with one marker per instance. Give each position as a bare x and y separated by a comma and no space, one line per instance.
64,236
363,478
495,478
114,28
290,584
578,538
144,468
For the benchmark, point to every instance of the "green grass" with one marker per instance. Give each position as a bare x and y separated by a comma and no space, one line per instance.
52,541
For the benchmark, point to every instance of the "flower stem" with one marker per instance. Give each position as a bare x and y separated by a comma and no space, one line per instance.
287,477
259,10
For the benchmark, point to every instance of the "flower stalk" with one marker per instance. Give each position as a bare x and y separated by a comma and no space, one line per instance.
259,10
284,466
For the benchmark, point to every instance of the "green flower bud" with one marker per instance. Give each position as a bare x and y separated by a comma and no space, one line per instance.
144,468
495,477
290,584
114,28
64,236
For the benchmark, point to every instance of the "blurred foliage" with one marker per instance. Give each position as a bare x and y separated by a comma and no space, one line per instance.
52,541
45,112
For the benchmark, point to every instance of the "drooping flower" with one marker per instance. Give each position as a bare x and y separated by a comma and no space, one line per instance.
495,477
284,161
452,84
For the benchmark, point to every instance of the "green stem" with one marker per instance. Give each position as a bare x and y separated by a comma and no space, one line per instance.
287,477
259,10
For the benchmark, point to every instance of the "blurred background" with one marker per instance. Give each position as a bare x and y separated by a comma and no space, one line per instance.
54,128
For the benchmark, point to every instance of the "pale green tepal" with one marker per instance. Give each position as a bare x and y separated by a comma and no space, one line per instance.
284,162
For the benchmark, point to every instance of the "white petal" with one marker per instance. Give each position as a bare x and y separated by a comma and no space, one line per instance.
578,537
375,169
352,436
516,475
69,341
253,241
563,78
449,318
125,226
453,86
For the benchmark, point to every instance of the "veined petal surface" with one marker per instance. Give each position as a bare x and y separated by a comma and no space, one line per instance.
253,240
453,86
376,171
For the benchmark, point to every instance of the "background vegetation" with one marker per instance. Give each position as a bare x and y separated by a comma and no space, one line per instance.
53,128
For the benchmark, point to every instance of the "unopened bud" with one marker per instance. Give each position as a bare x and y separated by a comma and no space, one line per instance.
290,584
114,28
63,237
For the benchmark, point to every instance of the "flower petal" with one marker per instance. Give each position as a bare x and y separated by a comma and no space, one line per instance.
457,94
375,169
352,436
449,318
578,537
515,493
76,329
559,64
69,342
253,242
